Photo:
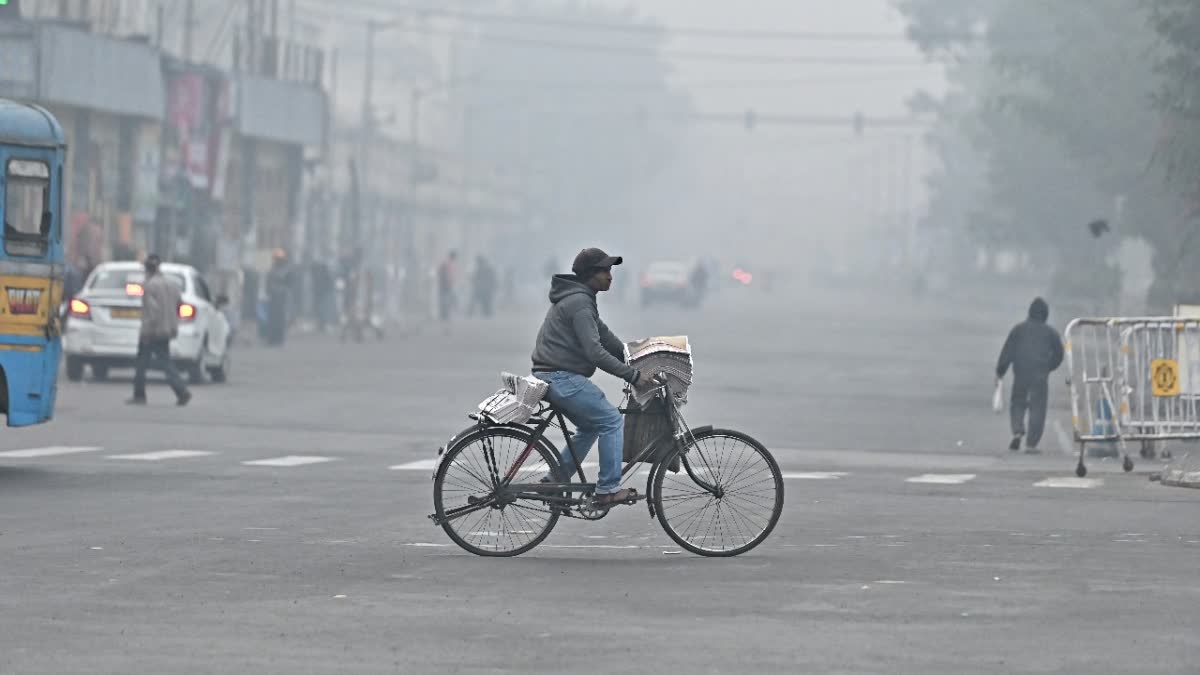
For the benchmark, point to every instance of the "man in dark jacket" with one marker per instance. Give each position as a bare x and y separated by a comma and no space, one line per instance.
571,345
1034,350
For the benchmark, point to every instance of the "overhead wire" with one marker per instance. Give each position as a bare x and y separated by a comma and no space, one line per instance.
644,28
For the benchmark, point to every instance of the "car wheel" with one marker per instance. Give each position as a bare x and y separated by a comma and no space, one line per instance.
220,374
195,372
74,368
195,369
99,372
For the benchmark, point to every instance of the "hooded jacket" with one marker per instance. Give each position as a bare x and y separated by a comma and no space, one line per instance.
1033,348
574,339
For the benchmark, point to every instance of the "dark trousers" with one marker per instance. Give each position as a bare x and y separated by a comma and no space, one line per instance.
1029,394
277,320
156,353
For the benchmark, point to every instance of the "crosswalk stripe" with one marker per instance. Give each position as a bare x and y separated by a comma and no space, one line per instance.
941,478
815,475
161,455
290,460
1070,482
48,452
419,465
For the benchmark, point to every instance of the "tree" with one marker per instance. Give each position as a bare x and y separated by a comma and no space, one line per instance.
584,129
1054,96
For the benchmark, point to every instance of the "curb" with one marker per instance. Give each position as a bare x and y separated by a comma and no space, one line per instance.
1183,471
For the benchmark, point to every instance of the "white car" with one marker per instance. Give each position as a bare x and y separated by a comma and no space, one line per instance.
103,320
667,281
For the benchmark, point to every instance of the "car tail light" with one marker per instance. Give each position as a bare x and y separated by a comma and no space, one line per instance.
187,312
134,290
80,309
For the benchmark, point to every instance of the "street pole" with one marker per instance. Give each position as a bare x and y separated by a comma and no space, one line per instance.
367,123
189,20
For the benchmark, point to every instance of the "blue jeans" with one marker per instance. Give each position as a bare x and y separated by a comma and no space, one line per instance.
594,417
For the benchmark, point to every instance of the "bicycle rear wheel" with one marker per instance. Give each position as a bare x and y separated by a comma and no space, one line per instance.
727,499
493,523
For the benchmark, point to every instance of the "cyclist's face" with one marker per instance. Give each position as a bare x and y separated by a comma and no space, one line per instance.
601,281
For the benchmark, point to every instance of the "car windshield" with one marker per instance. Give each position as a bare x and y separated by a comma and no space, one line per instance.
116,280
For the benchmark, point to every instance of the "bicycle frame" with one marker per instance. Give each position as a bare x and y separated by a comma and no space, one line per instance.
548,415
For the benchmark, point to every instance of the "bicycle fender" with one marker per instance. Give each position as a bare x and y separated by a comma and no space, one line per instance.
441,451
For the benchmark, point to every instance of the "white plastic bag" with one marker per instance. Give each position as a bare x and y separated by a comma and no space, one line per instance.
998,397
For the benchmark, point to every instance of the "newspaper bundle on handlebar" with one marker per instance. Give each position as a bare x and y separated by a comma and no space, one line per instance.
662,360
517,401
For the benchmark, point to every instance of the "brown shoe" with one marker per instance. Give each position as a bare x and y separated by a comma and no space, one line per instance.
625,496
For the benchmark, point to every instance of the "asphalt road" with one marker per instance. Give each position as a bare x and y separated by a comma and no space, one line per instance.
156,540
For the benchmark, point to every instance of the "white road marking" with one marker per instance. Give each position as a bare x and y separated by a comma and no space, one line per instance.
601,546
815,475
291,460
419,465
163,454
1070,482
51,451
942,478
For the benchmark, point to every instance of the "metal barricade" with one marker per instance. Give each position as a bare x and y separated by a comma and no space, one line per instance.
1133,379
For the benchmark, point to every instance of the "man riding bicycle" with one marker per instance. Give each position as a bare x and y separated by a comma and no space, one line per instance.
572,343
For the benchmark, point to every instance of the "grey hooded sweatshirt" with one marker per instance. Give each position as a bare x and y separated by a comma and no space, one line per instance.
574,339
1033,349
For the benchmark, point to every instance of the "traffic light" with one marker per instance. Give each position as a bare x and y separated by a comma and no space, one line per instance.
751,120
859,123
10,9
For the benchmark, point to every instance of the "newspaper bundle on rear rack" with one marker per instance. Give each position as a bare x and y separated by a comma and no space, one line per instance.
517,401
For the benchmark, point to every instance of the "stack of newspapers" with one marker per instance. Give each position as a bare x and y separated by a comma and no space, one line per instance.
517,401
669,356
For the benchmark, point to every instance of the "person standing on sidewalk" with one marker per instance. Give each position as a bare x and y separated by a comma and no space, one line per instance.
1033,350
160,325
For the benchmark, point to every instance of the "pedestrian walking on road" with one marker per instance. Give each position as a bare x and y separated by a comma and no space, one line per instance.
1033,350
447,278
483,288
160,324
279,286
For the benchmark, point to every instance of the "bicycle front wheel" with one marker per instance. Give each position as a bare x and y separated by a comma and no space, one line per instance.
727,497
484,519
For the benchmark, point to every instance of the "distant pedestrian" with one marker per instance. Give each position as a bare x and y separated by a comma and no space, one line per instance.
447,279
483,288
324,295
279,286
1033,350
160,324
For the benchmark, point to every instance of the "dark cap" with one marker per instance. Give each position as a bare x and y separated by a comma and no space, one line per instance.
591,259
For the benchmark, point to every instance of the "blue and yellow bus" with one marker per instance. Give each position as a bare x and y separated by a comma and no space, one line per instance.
32,149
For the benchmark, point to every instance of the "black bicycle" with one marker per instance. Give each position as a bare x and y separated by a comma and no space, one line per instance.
716,492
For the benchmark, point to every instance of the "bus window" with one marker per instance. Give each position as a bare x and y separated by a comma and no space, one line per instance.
26,207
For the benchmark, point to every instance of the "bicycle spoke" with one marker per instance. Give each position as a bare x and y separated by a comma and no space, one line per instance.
741,510
505,524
